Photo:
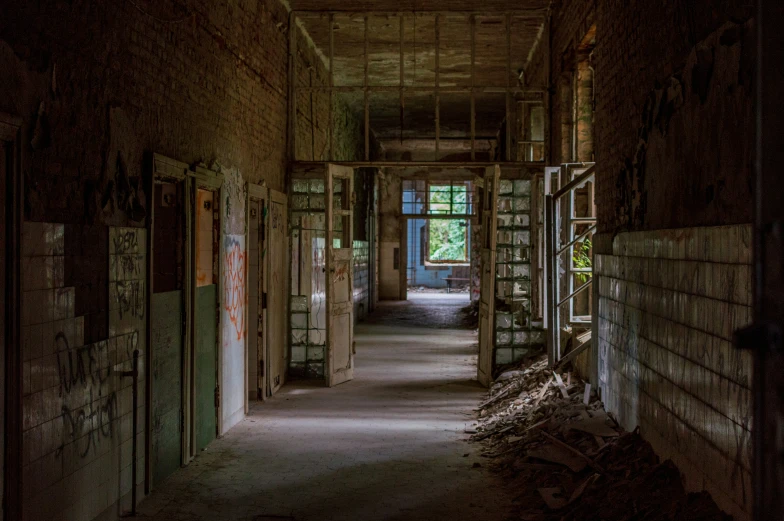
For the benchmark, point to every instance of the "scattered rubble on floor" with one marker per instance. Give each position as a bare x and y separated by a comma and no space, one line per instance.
549,436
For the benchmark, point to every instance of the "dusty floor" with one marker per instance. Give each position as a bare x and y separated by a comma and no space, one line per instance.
387,446
430,310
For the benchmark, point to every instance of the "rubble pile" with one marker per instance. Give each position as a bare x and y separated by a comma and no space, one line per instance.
568,460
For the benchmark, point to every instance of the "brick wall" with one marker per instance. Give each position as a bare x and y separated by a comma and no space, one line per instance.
669,302
312,114
672,141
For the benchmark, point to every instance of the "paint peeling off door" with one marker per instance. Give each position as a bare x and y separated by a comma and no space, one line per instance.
487,280
340,255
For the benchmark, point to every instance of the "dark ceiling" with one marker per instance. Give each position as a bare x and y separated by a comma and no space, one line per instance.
416,120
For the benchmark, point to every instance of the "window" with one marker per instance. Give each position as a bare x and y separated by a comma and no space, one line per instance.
447,241
448,199
437,198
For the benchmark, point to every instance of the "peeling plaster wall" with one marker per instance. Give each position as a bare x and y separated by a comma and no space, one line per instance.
673,141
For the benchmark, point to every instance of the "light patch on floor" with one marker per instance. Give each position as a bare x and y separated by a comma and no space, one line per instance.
387,446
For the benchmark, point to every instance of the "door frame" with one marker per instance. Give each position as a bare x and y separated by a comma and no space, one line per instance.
211,181
167,170
260,194
10,138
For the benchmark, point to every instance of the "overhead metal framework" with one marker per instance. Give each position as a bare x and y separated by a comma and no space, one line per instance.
471,84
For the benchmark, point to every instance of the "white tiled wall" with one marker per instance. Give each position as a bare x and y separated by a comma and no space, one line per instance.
669,302
76,408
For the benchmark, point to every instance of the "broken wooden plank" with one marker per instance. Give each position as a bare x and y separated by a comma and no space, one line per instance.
542,392
561,385
495,398
576,452
587,394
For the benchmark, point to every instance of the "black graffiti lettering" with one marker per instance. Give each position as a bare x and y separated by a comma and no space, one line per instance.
96,419
82,365
130,298
126,242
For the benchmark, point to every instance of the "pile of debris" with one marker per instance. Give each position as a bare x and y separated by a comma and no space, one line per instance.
568,459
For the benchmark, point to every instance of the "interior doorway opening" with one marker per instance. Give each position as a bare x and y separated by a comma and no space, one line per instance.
438,257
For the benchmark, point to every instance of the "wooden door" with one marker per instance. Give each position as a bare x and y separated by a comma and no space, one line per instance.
205,313
257,293
340,263
487,278
276,237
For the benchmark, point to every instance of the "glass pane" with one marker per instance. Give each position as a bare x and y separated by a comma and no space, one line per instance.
299,186
317,186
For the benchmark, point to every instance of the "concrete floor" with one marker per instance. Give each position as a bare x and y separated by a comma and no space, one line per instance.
426,310
387,446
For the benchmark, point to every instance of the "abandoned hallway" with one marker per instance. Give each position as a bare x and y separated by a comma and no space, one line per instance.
391,259
389,445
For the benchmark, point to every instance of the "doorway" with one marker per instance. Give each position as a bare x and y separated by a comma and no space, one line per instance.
168,320
205,323
267,298
184,393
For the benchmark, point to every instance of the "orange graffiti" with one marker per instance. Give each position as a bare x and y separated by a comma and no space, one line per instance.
234,299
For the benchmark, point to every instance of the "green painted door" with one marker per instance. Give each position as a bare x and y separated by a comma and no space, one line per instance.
206,365
166,383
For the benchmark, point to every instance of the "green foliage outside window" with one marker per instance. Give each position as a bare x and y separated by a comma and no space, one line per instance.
447,237
448,199
447,240
582,259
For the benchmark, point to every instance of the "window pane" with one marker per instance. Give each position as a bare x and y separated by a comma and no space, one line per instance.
447,240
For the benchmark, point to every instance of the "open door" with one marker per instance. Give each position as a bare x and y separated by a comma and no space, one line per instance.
340,260
487,278
276,288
